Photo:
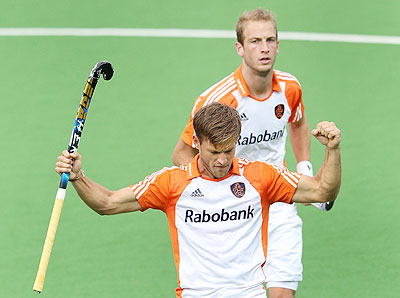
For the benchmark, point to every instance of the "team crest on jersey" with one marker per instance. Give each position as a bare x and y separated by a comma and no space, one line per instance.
279,110
238,189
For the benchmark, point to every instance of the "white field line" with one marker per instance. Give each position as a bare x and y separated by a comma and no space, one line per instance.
195,33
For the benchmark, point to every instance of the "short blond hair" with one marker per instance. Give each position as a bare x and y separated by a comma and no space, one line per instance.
258,14
218,123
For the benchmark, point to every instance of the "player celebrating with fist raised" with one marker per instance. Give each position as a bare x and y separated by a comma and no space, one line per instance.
217,205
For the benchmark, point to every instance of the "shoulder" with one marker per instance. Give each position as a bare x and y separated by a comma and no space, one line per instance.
289,79
221,91
161,175
225,81
160,179
292,88
251,167
264,173
254,168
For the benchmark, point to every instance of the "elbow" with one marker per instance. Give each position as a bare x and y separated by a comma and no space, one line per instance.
102,211
328,198
175,159
329,195
105,211
106,207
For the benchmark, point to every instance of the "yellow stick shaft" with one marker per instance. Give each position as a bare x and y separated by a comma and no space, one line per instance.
48,244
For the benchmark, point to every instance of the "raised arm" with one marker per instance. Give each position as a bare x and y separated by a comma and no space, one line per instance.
325,185
97,197
183,153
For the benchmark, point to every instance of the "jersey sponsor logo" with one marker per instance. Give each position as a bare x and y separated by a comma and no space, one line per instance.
197,193
279,111
263,137
221,216
238,189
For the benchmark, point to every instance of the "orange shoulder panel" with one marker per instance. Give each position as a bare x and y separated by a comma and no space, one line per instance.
293,94
273,183
160,189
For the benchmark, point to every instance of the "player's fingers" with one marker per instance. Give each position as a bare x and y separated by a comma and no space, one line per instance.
337,134
317,131
330,133
325,128
64,164
332,130
322,124
322,139
67,160
76,156
66,154
61,168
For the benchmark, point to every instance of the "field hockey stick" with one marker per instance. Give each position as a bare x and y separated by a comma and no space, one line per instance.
105,68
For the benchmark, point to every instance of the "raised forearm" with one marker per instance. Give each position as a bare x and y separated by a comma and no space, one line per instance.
94,195
324,187
105,201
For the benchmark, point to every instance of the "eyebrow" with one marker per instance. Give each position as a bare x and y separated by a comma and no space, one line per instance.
219,151
257,37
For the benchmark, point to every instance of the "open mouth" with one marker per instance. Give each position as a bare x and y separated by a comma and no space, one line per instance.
265,60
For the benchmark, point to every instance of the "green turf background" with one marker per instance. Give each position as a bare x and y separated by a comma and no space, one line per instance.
353,251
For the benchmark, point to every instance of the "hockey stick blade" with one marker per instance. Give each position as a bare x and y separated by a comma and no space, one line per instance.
105,68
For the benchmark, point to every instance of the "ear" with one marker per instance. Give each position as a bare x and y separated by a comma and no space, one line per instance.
239,49
277,47
196,142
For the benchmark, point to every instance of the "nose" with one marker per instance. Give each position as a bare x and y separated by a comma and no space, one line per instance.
222,159
264,46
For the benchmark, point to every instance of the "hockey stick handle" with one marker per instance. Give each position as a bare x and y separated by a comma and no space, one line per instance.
48,244
104,68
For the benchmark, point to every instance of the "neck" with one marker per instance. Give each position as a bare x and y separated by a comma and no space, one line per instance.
259,83
203,169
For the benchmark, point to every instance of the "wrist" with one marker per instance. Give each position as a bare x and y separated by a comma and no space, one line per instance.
305,167
79,175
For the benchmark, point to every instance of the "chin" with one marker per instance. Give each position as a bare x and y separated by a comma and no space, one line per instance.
220,175
265,69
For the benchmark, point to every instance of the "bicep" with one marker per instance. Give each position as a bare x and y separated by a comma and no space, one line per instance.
307,190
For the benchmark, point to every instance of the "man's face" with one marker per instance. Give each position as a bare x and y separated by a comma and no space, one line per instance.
260,46
215,162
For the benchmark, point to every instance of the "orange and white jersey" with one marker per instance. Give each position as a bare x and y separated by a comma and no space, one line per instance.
218,227
264,121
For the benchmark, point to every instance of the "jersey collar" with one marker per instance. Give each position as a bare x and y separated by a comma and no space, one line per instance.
193,169
242,86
